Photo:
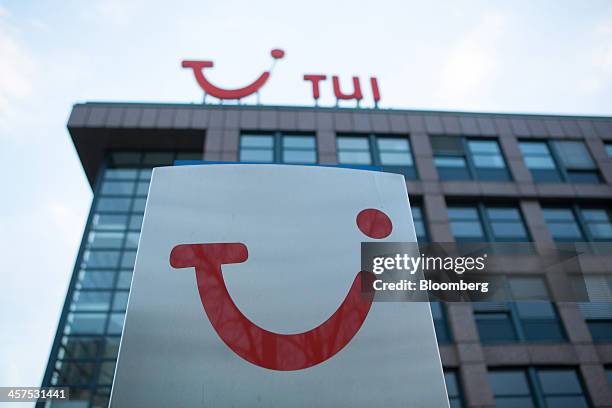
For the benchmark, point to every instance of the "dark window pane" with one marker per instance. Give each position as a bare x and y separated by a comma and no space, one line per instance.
107,371
509,382
80,347
75,373
131,241
583,176
601,330
158,159
514,402
495,327
111,348
574,155
559,382
121,159
566,402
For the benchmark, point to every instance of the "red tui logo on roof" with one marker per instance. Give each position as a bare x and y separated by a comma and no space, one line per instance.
356,94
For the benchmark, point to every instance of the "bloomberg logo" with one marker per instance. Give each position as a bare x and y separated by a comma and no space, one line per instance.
315,80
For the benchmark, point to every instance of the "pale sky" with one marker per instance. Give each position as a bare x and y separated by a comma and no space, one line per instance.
519,56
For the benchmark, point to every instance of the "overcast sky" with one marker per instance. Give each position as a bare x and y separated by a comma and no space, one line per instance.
519,56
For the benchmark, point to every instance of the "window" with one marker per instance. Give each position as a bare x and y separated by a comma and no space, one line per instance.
458,158
89,332
419,223
278,147
609,375
453,389
392,153
598,312
577,223
486,223
524,320
539,161
440,324
537,387
559,160
609,149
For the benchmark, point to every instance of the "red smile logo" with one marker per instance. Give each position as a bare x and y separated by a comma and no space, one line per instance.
210,89
283,352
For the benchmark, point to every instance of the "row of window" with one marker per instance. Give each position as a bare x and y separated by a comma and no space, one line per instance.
86,355
544,387
455,157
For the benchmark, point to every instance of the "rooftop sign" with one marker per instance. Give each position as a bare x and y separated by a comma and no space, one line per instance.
315,80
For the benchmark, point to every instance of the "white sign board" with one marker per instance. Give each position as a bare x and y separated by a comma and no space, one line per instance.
246,294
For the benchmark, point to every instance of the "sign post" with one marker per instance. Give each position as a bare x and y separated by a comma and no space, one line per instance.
247,292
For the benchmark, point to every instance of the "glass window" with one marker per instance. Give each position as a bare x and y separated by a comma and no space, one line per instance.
598,223
494,322
511,388
609,375
91,279
439,317
107,371
609,149
131,240
120,174
120,300
257,148
458,158
111,347
75,373
465,223
117,188
562,224
299,149
124,280
91,301
419,223
128,259
598,312
111,222
452,389
142,188
115,323
354,150
80,347
540,161
561,388
85,323
139,205
107,204
135,222
100,259
105,240
506,224
394,151
529,318
574,155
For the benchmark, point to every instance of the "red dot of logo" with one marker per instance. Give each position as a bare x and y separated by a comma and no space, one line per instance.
374,223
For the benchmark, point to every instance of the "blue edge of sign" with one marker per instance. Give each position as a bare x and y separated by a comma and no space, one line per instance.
345,166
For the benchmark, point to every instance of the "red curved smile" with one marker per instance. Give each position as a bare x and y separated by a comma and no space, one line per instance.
283,352
221,93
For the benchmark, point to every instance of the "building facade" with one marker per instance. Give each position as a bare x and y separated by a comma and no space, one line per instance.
470,177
